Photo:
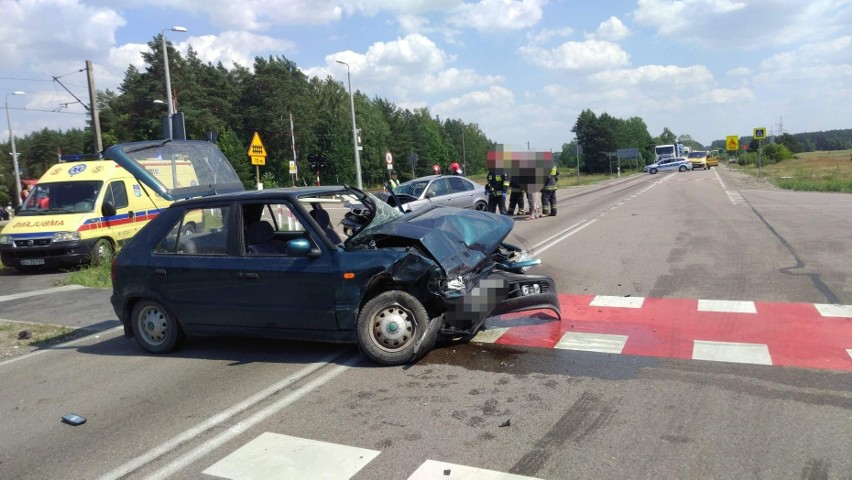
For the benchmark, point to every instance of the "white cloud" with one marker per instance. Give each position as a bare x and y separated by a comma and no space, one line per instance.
671,17
668,75
489,15
66,30
739,72
543,36
587,55
834,51
612,29
412,23
233,47
494,96
454,79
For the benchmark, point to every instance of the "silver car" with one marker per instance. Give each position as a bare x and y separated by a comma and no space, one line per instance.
669,164
448,190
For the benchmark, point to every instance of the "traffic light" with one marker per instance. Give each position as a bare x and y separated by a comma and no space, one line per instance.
317,163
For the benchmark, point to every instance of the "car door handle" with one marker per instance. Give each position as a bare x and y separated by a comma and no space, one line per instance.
249,276
160,272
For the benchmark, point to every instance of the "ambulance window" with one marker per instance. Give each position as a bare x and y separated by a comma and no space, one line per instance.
117,194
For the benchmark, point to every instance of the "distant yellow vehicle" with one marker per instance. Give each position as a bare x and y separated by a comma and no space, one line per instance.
713,158
699,160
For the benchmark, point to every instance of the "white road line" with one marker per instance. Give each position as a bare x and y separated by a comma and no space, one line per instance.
754,353
718,177
431,470
726,306
59,346
545,241
546,247
272,455
832,310
154,453
849,351
592,342
612,301
45,291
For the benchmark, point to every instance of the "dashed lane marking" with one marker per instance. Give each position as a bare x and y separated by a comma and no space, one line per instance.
731,352
802,335
44,291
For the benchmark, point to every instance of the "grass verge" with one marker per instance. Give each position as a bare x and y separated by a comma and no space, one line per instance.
810,171
95,276
18,338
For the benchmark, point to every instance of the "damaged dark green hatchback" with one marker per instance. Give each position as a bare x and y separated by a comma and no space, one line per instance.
317,263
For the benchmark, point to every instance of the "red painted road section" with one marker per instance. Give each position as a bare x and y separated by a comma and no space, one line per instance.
796,334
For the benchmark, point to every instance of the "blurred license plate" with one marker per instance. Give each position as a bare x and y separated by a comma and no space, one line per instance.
32,261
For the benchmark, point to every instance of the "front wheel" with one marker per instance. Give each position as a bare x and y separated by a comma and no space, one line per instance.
102,252
682,168
154,327
480,206
653,171
390,325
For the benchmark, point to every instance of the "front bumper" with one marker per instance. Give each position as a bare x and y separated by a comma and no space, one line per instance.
47,254
497,294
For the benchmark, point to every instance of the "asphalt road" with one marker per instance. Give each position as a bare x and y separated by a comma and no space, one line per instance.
238,408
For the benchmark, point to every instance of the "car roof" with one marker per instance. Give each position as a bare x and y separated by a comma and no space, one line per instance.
292,193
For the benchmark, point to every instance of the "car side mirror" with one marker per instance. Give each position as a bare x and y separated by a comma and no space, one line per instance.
299,247
430,195
108,209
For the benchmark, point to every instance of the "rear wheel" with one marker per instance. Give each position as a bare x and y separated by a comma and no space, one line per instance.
653,171
154,327
480,206
390,326
102,252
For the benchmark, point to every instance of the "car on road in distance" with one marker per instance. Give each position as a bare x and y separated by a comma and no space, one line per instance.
446,190
698,159
712,158
330,263
669,164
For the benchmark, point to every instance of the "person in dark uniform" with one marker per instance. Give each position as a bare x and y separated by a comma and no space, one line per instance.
548,193
516,197
496,189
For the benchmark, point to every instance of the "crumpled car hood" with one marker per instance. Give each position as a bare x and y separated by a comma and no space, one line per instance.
458,239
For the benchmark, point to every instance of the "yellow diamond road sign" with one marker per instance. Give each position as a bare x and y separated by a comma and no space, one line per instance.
732,142
256,151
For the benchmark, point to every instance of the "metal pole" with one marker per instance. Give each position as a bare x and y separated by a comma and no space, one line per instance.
96,122
14,151
354,129
577,145
168,79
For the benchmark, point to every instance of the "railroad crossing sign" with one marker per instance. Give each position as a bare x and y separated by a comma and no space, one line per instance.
256,151
760,133
732,142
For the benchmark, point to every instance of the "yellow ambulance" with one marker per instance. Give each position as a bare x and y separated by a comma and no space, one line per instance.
82,210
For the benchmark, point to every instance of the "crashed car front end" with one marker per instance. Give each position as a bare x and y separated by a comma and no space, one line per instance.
476,274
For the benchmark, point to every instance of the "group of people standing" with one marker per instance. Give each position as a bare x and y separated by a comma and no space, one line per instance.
500,185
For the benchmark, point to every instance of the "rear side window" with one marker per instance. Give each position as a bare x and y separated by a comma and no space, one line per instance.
198,232
458,185
117,194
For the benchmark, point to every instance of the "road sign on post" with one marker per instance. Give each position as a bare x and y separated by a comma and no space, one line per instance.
732,142
256,151
760,133
389,160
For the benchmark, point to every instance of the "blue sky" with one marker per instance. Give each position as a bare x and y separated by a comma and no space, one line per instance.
520,69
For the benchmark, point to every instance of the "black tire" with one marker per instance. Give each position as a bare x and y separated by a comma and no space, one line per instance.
652,171
480,206
682,168
390,325
154,327
102,252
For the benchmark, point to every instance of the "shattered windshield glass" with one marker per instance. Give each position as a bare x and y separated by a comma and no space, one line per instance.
178,169
384,213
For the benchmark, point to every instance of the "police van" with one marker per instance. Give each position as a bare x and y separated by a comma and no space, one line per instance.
83,209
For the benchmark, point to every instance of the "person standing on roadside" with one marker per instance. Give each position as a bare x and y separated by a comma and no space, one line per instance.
548,193
496,189
516,197
394,181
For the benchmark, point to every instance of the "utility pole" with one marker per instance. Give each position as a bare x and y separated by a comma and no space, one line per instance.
93,102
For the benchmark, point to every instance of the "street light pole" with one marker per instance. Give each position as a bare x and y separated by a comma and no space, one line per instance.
168,79
354,128
14,151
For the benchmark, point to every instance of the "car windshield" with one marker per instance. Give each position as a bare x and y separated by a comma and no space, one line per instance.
413,188
697,154
384,213
61,198
177,169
